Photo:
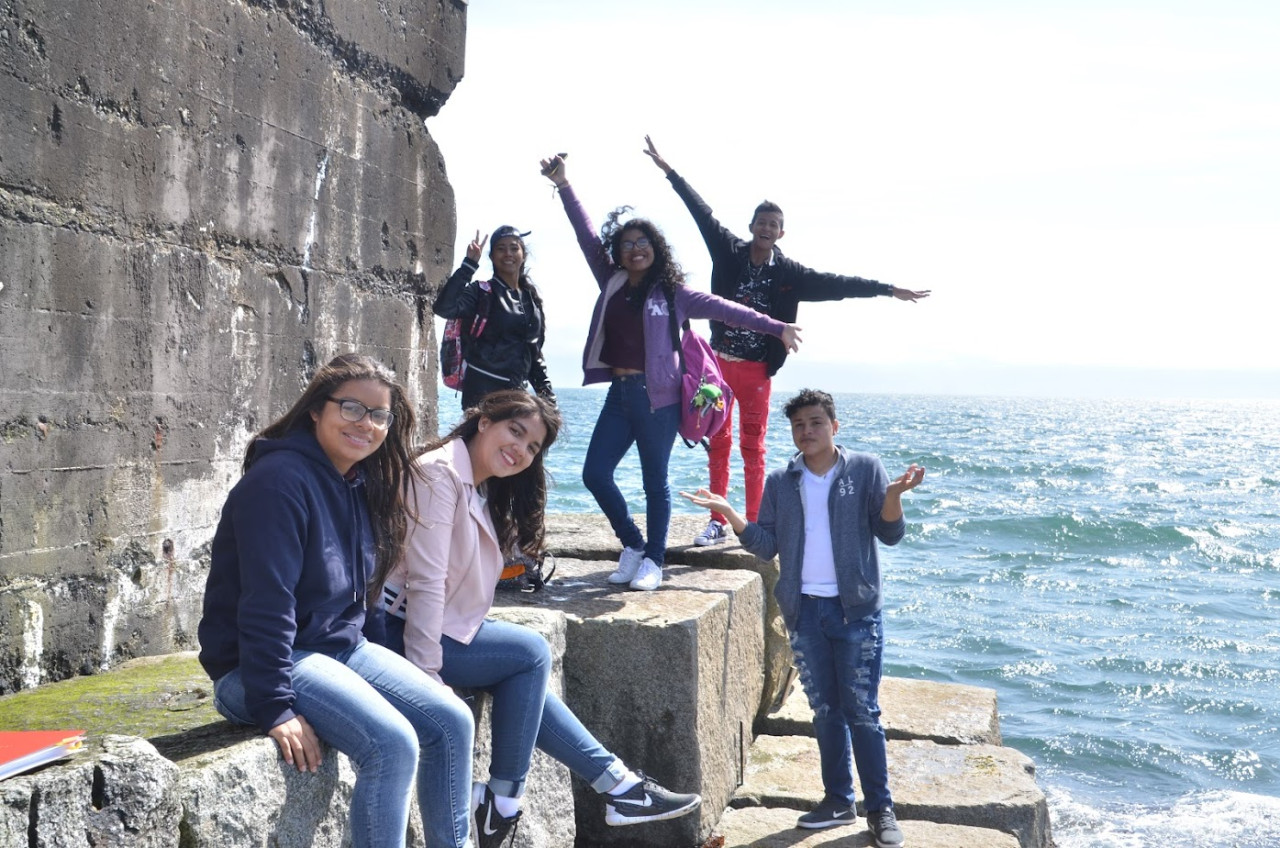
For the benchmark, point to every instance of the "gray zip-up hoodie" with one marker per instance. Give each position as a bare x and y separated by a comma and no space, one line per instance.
857,495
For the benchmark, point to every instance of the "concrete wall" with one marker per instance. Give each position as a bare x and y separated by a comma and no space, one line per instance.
200,200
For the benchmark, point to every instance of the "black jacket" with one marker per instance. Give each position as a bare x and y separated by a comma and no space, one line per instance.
792,281
511,343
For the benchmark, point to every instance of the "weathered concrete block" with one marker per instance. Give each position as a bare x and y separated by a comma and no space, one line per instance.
946,713
975,785
118,791
182,241
667,680
761,827
587,536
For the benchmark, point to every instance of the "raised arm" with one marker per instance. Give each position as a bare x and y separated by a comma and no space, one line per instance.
598,259
456,297
719,240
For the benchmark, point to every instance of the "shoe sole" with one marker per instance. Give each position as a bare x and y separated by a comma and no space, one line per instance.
706,543
620,580
614,820
825,824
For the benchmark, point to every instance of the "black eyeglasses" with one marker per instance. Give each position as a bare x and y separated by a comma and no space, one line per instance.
354,410
640,243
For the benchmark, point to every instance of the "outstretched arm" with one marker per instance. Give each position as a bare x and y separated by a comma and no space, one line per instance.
710,500
892,508
907,294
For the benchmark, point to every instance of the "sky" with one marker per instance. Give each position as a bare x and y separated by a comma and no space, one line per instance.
1090,190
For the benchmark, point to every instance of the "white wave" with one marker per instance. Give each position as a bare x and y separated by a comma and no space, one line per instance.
1197,820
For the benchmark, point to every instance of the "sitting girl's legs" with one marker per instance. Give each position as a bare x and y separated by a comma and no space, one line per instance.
392,721
513,664
446,735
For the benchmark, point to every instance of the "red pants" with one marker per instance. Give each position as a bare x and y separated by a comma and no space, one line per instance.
751,387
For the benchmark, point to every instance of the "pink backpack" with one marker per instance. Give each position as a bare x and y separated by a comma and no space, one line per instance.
453,362
704,394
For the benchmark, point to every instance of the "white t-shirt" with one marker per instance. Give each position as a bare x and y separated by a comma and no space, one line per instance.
818,572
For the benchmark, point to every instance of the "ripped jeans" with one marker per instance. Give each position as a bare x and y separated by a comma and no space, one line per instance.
839,666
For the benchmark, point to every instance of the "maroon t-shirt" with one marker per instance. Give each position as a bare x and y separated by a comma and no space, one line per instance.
623,345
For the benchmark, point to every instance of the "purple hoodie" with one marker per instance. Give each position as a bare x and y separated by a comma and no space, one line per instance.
661,365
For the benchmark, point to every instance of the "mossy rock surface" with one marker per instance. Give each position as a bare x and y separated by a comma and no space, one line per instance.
167,700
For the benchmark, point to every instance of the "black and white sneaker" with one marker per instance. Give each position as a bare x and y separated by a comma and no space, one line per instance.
647,802
492,827
830,812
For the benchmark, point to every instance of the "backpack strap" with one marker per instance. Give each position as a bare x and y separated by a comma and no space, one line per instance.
483,304
675,330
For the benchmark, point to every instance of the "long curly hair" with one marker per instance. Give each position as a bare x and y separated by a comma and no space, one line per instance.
386,471
517,503
664,271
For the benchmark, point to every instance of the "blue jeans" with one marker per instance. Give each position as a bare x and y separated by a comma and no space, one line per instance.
627,419
513,664
393,722
839,664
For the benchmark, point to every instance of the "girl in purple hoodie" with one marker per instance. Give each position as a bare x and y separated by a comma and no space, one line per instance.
630,346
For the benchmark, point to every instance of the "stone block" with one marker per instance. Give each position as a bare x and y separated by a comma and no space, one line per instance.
946,713
974,785
761,827
667,680
588,536
117,791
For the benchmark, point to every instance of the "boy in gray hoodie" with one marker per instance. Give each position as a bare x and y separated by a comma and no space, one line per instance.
829,594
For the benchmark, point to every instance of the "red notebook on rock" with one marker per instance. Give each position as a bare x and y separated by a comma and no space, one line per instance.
23,750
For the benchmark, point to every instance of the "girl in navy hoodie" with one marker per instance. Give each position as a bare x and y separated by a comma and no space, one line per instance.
306,537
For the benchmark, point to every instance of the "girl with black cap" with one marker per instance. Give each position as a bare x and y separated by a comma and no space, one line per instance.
506,352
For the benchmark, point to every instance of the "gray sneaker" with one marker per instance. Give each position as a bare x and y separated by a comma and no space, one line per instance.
830,812
647,802
883,825
713,535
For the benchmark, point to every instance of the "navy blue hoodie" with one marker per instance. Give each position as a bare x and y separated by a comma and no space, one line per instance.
291,558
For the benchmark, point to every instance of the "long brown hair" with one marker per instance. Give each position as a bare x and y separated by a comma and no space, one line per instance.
517,503
386,476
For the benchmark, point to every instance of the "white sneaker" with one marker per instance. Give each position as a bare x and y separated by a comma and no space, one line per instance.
628,565
649,577
713,535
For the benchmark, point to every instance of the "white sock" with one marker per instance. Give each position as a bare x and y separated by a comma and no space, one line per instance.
626,784
506,807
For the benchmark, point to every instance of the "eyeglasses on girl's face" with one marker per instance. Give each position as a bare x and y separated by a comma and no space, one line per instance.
354,410
640,243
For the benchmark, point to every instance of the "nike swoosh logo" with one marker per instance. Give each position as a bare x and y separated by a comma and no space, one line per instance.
489,829
647,802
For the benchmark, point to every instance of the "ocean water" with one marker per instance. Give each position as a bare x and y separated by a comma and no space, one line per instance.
1110,568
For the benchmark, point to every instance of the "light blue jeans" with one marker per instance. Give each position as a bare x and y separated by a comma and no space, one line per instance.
626,419
840,664
513,664
393,722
